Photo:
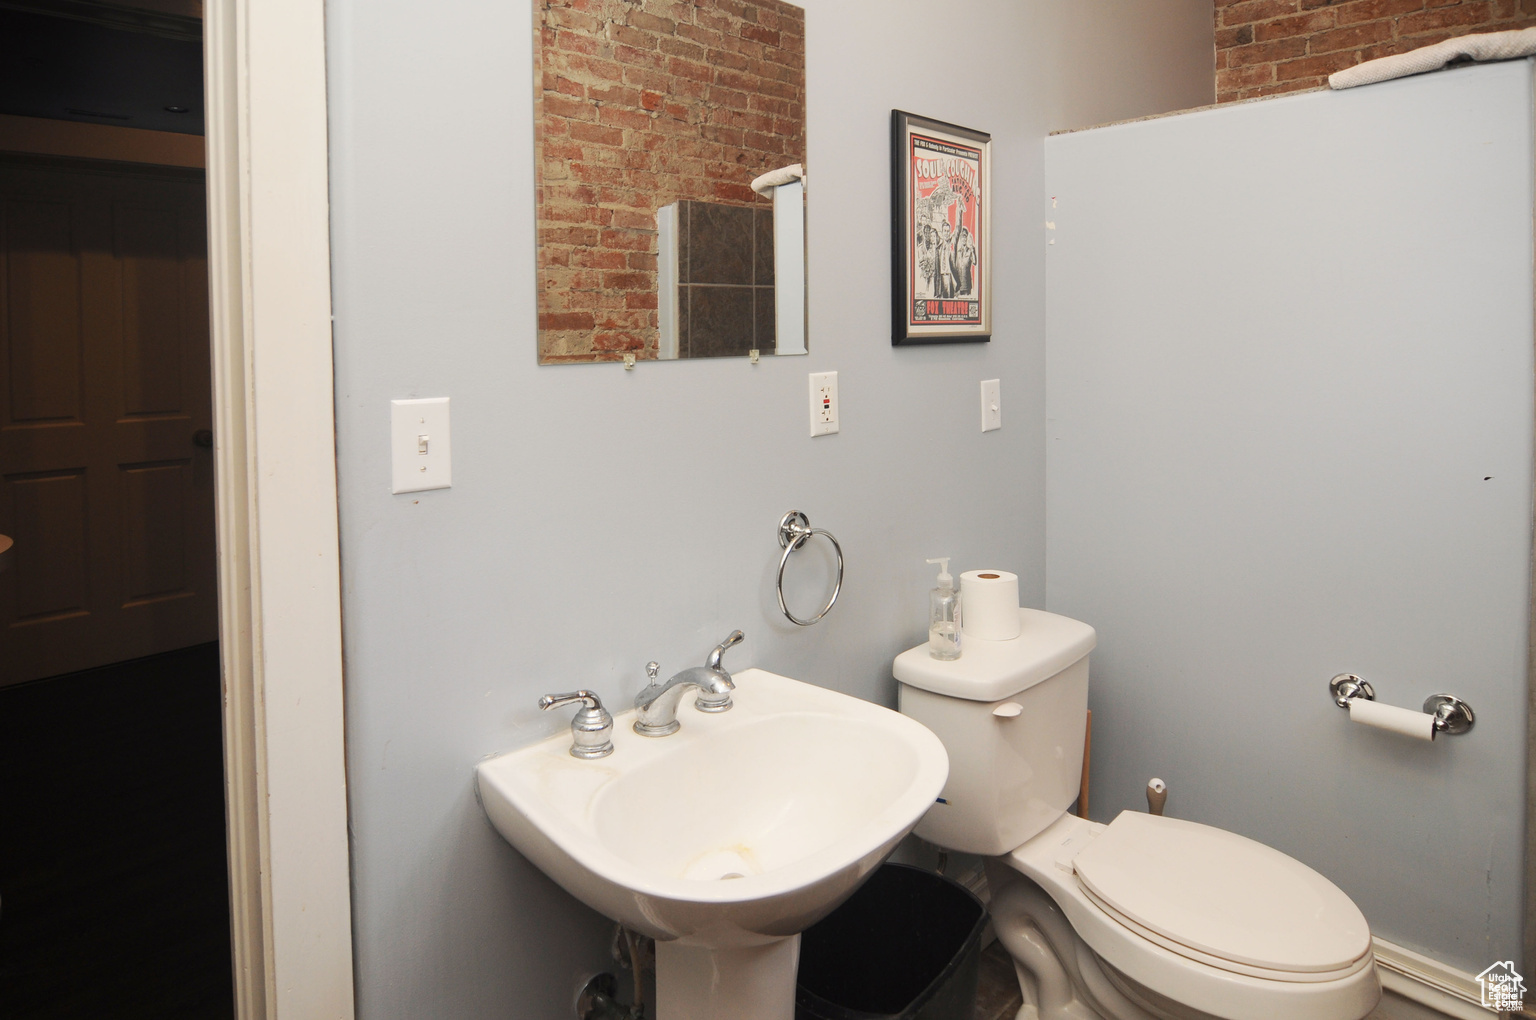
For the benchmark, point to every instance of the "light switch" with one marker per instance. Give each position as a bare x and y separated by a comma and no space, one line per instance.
823,403
991,405
419,444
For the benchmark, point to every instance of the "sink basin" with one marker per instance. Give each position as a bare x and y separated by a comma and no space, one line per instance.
728,838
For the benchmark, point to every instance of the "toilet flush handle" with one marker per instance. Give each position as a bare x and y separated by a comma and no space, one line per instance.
1008,710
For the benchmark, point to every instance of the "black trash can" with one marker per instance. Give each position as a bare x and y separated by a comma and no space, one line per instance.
907,945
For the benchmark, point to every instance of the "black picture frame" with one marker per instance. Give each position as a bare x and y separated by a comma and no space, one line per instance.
941,232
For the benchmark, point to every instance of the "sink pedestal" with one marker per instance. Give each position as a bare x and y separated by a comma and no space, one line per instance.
757,983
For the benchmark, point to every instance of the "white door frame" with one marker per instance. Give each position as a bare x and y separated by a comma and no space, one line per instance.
279,582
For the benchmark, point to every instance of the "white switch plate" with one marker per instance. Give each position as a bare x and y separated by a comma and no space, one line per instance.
419,445
991,405
823,403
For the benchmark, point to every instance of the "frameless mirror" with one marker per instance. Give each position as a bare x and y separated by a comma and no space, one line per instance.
653,119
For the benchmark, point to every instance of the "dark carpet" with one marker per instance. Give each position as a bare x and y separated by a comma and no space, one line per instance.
113,888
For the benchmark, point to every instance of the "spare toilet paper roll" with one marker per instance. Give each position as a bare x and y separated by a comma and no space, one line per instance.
989,604
1389,717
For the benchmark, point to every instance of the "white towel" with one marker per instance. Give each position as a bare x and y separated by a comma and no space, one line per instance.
765,184
1485,46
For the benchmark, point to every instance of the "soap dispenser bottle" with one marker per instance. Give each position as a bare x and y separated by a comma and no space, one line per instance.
944,615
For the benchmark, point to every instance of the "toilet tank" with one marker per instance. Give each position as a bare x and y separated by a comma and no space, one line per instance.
1012,771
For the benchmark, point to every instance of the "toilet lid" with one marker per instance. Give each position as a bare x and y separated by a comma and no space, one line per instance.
1222,894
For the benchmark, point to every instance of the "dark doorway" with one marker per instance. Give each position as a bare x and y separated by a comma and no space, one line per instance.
114,897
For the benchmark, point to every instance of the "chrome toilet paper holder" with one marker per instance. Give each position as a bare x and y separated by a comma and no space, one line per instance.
1453,716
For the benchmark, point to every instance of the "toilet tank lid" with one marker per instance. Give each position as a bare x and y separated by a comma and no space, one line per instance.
994,670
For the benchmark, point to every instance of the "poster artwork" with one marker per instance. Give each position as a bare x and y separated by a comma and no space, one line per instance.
946,218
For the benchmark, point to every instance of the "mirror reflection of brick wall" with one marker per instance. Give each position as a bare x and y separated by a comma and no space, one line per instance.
639,105
725,280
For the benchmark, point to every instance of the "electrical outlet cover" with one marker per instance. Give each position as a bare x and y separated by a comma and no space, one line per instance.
824,409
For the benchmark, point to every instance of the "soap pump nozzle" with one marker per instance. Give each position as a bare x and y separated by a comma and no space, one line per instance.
946,580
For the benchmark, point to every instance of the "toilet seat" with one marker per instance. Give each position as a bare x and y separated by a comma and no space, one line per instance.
1207,982
1222,899
1221,963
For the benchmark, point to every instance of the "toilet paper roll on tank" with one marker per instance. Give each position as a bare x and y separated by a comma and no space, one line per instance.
989,605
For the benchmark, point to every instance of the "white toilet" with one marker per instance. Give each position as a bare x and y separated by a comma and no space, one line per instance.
1146,916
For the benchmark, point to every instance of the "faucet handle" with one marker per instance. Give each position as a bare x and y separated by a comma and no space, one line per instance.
592,729
587,698
652,668
707,702
732,640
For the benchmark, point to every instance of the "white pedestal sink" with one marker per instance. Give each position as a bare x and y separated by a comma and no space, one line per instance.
728,838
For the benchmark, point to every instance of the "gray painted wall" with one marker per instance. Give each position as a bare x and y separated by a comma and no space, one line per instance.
1289,394
600,518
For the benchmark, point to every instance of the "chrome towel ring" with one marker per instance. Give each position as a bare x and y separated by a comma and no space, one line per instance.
794,531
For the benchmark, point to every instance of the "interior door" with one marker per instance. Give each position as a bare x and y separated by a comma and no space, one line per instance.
106,460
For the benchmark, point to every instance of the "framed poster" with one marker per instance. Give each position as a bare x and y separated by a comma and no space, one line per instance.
941,232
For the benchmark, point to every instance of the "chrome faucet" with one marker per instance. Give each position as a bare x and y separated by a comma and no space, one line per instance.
656,705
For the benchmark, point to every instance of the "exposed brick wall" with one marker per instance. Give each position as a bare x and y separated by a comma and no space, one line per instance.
1264,47
641,103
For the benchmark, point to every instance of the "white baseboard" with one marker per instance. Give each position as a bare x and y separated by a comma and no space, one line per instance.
1415,987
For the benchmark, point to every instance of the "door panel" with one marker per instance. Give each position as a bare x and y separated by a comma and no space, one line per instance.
148,251
154,523
43,313
104,350
51,576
